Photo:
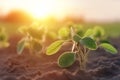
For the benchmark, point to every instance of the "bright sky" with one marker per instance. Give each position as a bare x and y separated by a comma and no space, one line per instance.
95,9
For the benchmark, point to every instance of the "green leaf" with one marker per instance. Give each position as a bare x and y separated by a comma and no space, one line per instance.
36,46
79,29
89,43
76,38
98,32
54,47
66,59
88,33
104,41
20,46
80,33
109,48
64,33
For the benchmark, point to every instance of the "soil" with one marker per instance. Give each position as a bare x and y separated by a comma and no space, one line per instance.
100,66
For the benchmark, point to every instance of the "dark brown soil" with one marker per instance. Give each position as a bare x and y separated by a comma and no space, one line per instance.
101,65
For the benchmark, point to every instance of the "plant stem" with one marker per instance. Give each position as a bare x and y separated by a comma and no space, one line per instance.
86,58
84,49
80,56
80,60
73,47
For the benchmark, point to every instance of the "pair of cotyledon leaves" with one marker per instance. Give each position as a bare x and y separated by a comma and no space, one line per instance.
68,58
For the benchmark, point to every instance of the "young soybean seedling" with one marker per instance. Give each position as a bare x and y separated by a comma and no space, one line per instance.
82,45
3,38
34,36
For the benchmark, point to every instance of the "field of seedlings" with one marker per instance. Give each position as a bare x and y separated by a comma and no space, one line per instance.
69,51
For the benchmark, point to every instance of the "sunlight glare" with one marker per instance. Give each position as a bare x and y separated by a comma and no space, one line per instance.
43,8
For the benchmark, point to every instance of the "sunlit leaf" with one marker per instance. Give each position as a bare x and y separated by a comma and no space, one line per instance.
80,33
54,47
66,59
64,33
79,30
20,46
98,32
76,38
88,33
109,48
89,43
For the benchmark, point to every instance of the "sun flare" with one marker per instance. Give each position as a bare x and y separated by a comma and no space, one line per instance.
43,8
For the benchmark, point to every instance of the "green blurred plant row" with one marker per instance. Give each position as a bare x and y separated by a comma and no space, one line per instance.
83,40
